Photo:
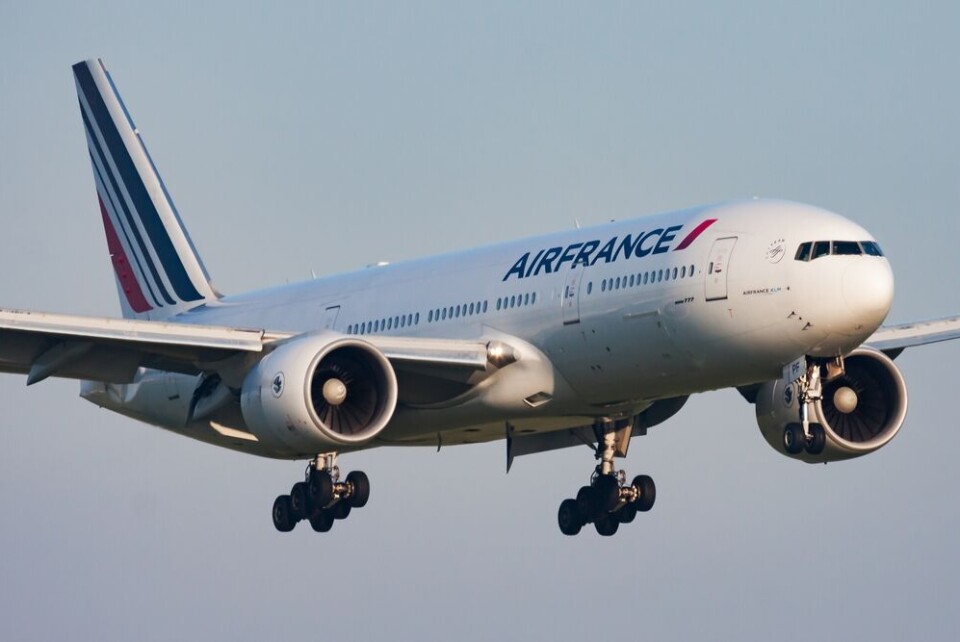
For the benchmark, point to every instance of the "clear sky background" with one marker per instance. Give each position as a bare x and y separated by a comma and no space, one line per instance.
314,136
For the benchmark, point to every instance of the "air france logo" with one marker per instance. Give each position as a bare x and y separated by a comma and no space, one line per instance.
637,246
277,385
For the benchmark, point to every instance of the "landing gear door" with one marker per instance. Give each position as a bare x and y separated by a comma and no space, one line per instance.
717,267
571,297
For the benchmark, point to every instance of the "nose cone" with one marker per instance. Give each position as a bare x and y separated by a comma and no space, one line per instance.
868,291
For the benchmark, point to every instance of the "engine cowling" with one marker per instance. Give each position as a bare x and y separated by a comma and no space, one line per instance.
860,411
319,392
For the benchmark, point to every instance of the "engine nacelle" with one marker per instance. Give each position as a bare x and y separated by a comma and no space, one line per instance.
318,393
860,412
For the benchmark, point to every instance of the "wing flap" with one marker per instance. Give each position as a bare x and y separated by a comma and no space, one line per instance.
42,345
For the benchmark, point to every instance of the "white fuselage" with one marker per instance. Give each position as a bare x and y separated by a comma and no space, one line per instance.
624,314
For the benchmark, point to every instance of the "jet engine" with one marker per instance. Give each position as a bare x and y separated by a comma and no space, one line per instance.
318,393
859,412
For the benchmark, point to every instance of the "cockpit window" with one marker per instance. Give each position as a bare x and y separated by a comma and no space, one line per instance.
846,248
820,248
814,250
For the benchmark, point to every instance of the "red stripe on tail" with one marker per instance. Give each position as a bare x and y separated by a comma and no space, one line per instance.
128,280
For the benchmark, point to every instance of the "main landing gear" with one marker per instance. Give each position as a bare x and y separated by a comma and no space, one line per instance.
321,498
607,501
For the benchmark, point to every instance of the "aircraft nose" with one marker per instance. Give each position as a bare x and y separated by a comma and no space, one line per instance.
868,290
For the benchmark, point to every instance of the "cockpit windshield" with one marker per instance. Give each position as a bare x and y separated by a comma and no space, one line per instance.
812,250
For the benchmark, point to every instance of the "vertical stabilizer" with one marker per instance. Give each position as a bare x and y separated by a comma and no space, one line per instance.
158,270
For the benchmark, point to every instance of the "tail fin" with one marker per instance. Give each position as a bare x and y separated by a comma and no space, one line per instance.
159,273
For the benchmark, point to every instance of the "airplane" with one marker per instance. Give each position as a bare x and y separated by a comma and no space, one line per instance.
589,336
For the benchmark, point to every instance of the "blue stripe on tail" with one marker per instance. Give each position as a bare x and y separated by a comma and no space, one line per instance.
157,233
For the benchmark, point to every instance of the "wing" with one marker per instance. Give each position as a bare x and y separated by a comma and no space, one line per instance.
43,345
895,338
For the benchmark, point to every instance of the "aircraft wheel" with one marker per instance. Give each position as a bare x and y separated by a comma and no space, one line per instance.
361,488
818,440
341,510
586,503
627,513
320,488
321,521
569,517
283,517
606,493
299,501
794,439
648,492
607,524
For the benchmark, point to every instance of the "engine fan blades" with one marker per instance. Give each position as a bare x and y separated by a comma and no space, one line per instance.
345,395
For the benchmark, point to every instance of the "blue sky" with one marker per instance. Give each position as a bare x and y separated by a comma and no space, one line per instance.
317,136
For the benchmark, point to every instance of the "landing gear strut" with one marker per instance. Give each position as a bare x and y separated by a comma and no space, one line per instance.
321,498
607,501
804,436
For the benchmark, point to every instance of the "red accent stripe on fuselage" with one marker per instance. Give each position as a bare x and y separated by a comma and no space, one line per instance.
692,236
128,280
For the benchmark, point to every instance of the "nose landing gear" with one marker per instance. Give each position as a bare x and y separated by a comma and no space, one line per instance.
803,436
607,501
321,498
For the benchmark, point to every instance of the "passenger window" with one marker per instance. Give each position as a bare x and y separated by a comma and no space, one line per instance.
533,298
846,248
803,252
526,299
820,248
513,301
683,272
484,306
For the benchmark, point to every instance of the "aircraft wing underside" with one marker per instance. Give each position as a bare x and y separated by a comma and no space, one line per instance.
42,345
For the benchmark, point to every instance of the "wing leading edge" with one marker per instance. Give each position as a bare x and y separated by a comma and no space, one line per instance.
42,345
895,338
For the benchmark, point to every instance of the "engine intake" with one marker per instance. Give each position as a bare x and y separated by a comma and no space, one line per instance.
860,411
319,392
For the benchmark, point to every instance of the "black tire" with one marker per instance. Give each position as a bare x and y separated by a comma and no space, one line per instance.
569,517
627,513
648,492
606,493
340,510
818,440
361,488
586,503
607,524
794,440
300,501
321,521
283,518
320,488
